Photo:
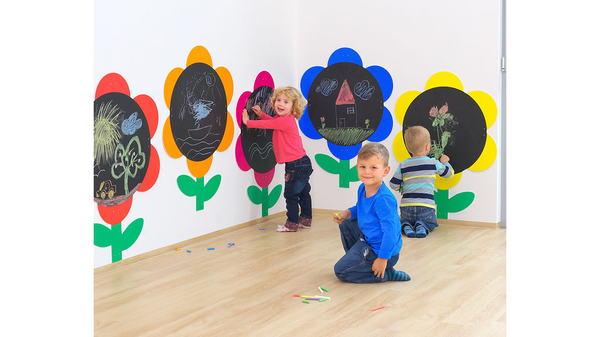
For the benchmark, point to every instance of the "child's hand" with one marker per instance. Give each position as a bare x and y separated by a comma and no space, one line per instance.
257,110
338,218
379,267
245,117
444,159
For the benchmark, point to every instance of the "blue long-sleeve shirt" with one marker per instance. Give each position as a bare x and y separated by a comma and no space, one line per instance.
379,221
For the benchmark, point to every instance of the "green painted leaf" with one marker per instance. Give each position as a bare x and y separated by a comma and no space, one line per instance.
102,235
460,201
274,196
131,233
187,185
328,163
211,187
255,194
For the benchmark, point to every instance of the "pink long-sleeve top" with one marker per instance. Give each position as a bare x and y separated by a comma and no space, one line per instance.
287,143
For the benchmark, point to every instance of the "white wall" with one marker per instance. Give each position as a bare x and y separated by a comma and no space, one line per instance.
144,40
412,40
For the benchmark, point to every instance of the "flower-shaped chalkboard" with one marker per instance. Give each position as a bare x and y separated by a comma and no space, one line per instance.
254,147
346,107
458,124
125,161
199,123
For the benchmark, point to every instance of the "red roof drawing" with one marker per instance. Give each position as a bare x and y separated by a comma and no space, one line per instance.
345,96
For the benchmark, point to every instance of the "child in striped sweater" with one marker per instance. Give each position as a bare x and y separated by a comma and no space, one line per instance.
414,179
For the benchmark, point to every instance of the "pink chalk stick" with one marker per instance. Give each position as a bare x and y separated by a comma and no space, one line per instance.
377,308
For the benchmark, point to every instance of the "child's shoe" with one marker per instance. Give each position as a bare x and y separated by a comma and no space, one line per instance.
304,222
409,231
288,227
420,231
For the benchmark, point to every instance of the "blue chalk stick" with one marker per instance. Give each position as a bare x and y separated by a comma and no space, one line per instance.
189,251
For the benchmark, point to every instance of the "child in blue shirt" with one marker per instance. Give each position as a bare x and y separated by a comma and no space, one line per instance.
370,230
415,179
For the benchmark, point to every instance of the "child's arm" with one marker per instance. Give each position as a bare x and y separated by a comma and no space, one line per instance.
396,181
444,169
267,122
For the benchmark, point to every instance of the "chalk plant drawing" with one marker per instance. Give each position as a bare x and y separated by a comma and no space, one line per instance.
345,107
254,147
123,155
458,123
444,125
199,124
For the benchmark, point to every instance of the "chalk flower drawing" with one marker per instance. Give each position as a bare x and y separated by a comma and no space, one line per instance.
443,122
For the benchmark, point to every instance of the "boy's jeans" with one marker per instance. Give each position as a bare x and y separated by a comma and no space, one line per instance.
418,215
356,265
297,189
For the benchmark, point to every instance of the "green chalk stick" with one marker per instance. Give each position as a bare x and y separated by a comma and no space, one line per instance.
305,301
324,289
323,300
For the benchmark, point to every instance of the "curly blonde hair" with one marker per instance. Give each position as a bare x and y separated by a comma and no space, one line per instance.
416,138
294,95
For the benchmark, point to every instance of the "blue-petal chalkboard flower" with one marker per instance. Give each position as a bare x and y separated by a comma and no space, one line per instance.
346,107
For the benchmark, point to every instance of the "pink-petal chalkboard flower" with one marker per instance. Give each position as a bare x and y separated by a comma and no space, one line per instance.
254,147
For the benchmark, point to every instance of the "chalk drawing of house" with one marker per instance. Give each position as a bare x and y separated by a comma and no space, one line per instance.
345,108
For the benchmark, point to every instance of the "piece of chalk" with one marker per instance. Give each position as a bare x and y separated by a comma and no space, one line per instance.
312,298
177,249
327,290
305,301
377,308
231,244
321,290
189,251
296,295
211,248
317,296
261,228
323,300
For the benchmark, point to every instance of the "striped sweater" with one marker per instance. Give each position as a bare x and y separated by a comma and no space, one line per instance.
415,178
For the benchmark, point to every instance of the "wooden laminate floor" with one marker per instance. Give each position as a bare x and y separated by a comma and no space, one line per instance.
458,288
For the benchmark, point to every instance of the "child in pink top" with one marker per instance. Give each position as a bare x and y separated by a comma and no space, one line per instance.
288,104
